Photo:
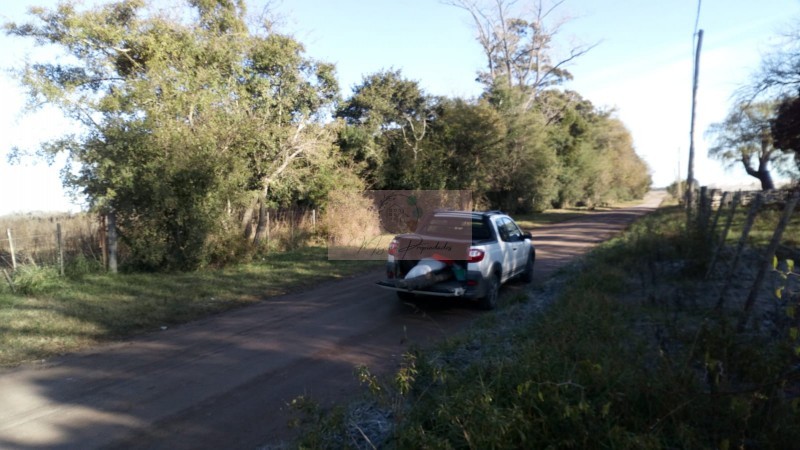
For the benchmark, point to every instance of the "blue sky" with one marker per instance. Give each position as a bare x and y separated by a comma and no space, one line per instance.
642,68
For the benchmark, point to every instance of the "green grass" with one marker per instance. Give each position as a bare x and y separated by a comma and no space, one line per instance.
59,315
763,227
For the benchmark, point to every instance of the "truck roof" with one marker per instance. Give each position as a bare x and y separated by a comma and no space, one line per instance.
465,214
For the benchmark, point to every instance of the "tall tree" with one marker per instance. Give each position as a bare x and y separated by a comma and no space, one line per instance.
388,119
745,138
527,179
624,175
182,114
468,143
518,43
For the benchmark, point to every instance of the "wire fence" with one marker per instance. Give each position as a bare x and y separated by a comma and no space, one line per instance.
47,241
775,254
61,240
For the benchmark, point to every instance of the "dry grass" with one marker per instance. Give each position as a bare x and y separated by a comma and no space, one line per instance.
290,229
352,227
34,237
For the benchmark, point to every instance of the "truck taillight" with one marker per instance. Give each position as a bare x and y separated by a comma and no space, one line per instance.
393,247
475,255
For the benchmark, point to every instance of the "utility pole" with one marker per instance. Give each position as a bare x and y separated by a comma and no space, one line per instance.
690,175
679,191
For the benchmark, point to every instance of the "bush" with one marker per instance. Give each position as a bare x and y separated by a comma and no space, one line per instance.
34,280
349,217
80,265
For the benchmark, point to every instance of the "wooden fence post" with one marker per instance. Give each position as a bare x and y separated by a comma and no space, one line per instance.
703,208
103,239
724,236
751,217
314,220
715,222
267,231
11,248
112,242
60,244
773,245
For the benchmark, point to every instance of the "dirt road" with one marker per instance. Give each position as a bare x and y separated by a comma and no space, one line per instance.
225,382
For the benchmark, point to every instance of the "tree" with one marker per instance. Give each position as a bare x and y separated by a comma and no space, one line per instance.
596,158
629,175
467,139
779,73
183,115
744,137
785,127
778,79
518,45
527,179
388,119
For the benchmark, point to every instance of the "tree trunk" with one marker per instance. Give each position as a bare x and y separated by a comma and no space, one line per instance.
247,219
762,173
111,235
766,180
763,162
261,229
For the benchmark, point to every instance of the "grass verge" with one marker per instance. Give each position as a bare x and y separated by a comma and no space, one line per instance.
59,315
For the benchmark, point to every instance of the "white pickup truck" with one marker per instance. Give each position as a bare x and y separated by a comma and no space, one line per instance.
462,254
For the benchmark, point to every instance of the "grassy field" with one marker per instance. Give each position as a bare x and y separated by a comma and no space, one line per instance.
623,351
34,237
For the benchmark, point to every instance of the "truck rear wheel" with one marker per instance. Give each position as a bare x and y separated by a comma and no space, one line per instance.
489,300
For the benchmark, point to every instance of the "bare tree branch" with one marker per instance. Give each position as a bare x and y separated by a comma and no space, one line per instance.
518,44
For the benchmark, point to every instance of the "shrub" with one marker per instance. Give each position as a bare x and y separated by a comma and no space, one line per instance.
80,265
30,279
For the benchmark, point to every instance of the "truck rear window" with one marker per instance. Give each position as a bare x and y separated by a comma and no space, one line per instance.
473,229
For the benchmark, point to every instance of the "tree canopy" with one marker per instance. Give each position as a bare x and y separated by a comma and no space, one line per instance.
745,138
195,120
562,152
181,115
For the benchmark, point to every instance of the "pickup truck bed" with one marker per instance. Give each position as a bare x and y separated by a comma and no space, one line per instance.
474,266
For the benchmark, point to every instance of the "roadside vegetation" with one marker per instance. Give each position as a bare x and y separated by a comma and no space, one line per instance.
621,350
194,122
